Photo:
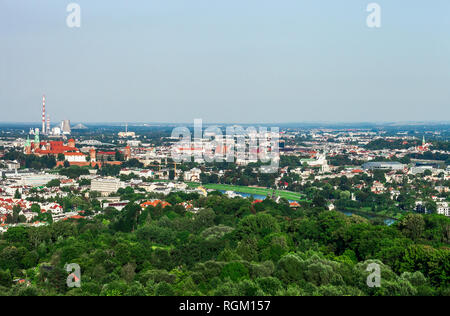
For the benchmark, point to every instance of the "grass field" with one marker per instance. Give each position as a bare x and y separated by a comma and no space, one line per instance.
256,191
293,196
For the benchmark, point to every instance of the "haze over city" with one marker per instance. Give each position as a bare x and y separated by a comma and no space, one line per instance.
225,61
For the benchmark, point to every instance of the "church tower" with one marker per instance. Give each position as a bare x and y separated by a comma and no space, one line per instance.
28,146
37,142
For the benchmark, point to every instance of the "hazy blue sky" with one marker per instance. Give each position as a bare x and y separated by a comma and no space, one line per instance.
225,61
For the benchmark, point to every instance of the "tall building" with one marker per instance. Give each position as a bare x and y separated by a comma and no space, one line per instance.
65,127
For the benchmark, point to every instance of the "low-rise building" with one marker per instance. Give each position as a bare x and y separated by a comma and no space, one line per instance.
106,186
443,209
383,165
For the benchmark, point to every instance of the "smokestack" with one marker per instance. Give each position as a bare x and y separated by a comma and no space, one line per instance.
43,114
48,124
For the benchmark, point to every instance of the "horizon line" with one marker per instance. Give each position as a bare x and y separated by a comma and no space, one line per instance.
440,122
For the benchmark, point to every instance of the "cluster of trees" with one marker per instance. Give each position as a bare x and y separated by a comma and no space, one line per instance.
15,217
73,172
381,143
31,161
227,247
245,176
433,156
132,163
441,145
343,160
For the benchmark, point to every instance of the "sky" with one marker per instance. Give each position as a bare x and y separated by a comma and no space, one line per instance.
227,61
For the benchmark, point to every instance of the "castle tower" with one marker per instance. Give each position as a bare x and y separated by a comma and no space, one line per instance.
93,155
71,143
28,146
127,153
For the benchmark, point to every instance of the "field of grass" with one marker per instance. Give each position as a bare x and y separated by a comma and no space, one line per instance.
289,195
256,191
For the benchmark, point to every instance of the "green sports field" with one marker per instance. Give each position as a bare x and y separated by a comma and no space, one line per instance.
257,191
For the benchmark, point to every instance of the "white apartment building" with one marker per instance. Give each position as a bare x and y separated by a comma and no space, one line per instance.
37,179
106,186
443,209
192,175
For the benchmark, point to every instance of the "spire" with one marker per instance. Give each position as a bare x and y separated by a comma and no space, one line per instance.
36,140
423,141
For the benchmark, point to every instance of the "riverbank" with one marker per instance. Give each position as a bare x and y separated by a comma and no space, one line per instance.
366,213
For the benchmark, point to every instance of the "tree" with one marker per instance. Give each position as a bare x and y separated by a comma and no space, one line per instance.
431,206
260,224
204,218
289,269
319,201
35,208
413,226
164,289
118,156
269,285
234,271
53,183
128,272
11,257
427,172
15,218
128,218
379,175
17,234
5,278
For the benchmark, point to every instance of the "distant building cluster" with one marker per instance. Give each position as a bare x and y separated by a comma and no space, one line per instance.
46,129
71,153
126,134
